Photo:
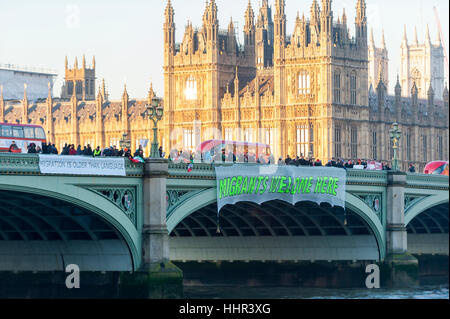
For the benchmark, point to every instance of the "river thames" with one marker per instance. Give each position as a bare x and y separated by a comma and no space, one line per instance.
242,292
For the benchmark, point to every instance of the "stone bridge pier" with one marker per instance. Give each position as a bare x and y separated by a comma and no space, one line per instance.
157,277
399,267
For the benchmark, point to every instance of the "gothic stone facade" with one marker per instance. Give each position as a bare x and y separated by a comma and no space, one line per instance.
303,94
80,119
306,93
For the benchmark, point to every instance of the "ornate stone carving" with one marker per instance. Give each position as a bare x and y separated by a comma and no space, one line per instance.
124,198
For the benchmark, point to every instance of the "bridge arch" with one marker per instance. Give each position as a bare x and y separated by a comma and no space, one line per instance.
424,204
190,205
87,204
204,200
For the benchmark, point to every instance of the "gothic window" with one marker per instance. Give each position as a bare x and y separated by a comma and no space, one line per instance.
424,148
354,142
353,89
303,140
70,88
440,148
188,139
92,90
79,87
114,141
86,87
337,87
304,83
337,142
408,146
416,77
374,145
190,92
248,135
228,134
269,136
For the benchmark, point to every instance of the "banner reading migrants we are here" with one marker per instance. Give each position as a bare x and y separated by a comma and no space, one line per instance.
259,184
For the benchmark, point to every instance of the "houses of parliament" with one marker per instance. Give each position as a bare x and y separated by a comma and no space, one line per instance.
317,91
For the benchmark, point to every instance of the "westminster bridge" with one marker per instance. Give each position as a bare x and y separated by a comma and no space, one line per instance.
160,212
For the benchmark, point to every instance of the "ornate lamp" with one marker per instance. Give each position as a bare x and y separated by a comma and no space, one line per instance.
124,142
155,113
395,135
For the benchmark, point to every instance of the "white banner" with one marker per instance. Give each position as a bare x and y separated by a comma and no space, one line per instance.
263,183
82,165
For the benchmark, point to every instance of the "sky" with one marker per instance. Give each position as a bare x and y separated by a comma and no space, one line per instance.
126,37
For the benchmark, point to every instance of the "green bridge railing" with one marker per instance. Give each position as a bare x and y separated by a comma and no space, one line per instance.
28,164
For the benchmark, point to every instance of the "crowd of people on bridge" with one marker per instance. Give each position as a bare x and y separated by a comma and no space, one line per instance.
186,156
87,150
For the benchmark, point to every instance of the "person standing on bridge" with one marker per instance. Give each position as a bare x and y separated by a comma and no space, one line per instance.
97,152
13,147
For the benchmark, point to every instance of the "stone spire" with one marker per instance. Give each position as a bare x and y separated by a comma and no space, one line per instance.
93,62
66,63
430,95
315,13
326,18
361,19
103,90
427,36
249,29
383,42
398,88
169,27
151,94
76,64
210,22
416,41
371,40
236,84
249,17
438,39
84,62
49,113
414,94
381,87
405,38
25,97
125,93
169,12
125,100
280,21
49,95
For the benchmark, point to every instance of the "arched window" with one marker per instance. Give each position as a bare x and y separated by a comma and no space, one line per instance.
79,87
70,88
191,89
305,140
337,87
304,83
416,77
353,89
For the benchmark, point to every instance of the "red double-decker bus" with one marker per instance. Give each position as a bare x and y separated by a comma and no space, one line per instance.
22,135
437,168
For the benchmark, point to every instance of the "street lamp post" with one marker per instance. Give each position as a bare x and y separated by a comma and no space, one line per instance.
395,135
155,113
124,142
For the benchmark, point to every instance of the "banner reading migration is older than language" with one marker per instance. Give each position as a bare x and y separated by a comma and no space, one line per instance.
259,184
81,165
